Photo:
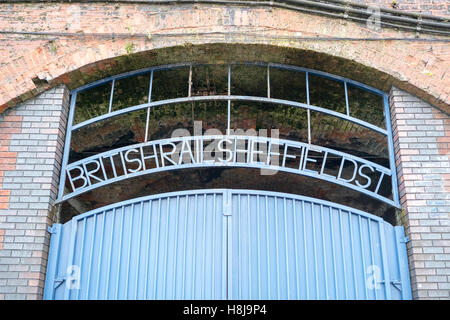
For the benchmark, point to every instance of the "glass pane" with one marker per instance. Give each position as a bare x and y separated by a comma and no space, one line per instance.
116,132
288,85
164,120
366,106
326,93
167,118
248,80
129,92
170,84
92,103
291,122
209,80
213,115
342,135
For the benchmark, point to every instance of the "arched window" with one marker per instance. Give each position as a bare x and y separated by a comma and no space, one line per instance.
241,125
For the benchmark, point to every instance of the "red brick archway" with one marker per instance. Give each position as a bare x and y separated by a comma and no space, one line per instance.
155,34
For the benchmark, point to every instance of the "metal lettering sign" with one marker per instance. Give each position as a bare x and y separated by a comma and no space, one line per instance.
223,151
229,150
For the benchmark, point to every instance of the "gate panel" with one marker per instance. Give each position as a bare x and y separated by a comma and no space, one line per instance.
291,247
162,248
219,244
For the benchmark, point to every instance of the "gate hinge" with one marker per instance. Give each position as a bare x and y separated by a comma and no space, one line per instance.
51,230
58,282
227,203
404,240
397,284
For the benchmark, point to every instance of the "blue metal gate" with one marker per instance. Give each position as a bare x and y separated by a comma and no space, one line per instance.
227,244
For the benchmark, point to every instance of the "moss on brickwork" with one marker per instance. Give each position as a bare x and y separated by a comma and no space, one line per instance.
224,53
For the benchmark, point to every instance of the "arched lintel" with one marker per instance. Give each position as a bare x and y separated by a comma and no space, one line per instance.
232,52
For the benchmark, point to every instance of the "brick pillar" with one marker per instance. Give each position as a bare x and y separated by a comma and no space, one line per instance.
31,148
422,149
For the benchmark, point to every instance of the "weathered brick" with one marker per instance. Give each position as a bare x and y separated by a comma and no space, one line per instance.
429,261
25,246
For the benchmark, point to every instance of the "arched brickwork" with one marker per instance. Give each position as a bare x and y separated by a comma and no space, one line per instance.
150,34
147,34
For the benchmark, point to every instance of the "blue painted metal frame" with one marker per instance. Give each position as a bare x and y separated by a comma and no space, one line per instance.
344,116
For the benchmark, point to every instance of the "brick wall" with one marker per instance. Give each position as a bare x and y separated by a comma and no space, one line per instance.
422,147
31,146
154,34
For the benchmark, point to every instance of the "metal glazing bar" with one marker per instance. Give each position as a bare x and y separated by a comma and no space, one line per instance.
147,122
229,101
185,64
308,110
392,166
190,81
268,81
347,109
62,179
328,76
150,87
130,74
111,96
